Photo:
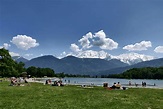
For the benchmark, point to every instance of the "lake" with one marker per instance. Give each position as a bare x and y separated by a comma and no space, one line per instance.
110,81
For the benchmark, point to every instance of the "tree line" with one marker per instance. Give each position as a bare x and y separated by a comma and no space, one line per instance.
41,72
139,73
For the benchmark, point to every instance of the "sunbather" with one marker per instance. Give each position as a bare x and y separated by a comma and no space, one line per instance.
118,86
114,86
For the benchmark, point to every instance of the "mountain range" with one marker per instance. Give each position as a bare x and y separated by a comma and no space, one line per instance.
129,58
74,65
89,66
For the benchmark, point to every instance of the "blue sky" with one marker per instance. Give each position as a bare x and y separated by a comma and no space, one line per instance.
31,28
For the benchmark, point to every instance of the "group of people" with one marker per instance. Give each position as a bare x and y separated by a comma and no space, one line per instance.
116,86
55,83
58,83
18,81
144,84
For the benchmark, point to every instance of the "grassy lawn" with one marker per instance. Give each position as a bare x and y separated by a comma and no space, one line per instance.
39,96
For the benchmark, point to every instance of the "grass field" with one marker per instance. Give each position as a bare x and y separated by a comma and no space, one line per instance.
39,96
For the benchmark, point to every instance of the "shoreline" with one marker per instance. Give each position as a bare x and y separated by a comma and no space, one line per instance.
40,80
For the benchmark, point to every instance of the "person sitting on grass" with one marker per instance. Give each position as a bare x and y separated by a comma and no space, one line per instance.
13,81
46,82
57,83
114,86
118,86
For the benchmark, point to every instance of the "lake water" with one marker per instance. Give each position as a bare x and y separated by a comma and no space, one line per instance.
110,81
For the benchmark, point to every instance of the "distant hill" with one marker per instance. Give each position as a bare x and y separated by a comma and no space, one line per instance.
45,62
74,65
85,65
152,63
19,59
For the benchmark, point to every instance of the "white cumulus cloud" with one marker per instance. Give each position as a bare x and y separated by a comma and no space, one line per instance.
13,54
84,41
143,45
103,42
90,40
75,48
24,42
159,49
5,45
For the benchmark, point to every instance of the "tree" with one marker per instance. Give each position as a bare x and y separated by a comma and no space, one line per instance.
40,72
20,67
32,71
8,67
